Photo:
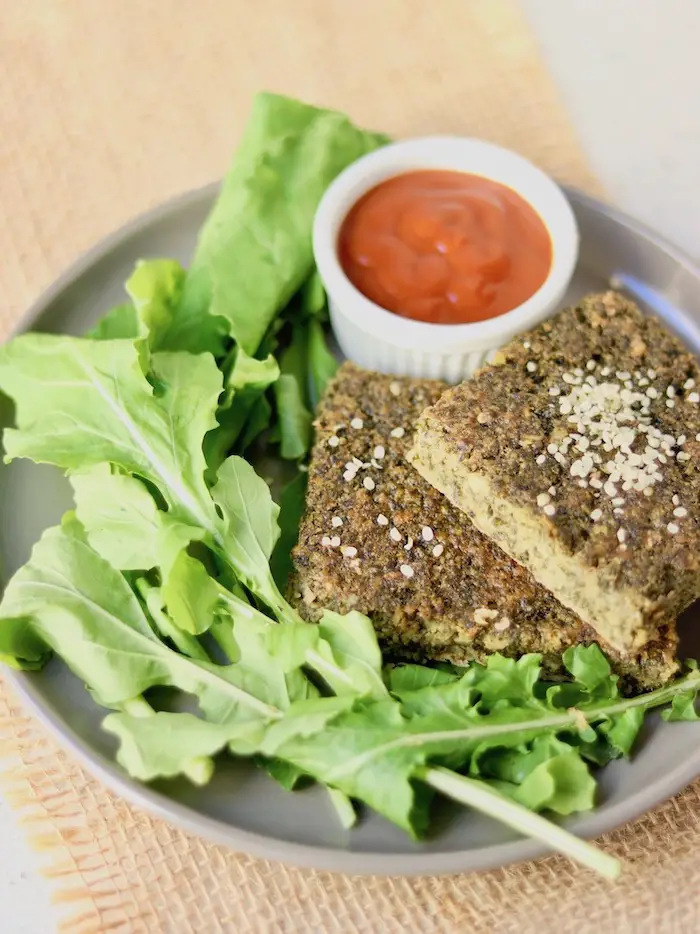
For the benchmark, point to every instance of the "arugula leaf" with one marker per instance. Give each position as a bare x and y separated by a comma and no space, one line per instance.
621,732
286,775
294,418
404,679
292,397
122,321
80,606
20,646
511,765
258,421
591,669
682,708
243,388
254,251
155,287
159,746
148,752
120,517
188,388
313,295
103,409
183,641
507,680
124,525
353,643
250,530
245,501
292,502
359,751
343,808
190,594
562,784
322,364
342,649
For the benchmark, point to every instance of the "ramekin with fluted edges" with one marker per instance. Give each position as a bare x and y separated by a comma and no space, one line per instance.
389,343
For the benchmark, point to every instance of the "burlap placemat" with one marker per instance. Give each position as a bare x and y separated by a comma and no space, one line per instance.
110,106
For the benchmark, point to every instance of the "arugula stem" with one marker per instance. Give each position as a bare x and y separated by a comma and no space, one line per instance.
199,769
222,632
238,591
138,707
319,664
246,609
482,797
343,807
571,717
185,642
210,672
272,596
314,660
687,684
240,604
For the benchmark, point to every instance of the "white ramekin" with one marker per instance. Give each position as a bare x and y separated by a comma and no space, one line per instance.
380,340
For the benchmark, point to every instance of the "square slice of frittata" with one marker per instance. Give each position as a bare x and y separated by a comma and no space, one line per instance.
577,451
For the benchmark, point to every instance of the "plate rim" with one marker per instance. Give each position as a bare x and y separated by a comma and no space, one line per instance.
311,856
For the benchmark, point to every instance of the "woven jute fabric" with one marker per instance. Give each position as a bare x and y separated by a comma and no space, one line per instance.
108,107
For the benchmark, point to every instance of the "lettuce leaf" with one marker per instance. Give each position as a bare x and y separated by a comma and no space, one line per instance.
155,288
254,251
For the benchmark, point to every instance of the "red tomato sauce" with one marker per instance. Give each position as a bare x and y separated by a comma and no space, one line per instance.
444,247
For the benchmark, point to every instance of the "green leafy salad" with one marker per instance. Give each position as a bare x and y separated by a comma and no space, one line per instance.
171,569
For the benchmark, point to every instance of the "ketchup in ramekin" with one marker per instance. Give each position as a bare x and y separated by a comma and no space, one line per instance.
445,247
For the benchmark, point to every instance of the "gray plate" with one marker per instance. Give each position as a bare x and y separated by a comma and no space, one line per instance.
241,807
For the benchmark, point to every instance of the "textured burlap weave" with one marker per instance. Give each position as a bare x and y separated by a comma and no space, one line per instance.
110,106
